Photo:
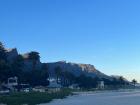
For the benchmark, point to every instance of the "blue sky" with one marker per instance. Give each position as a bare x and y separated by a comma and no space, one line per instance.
104,33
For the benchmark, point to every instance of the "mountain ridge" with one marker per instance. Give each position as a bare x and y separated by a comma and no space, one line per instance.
77,69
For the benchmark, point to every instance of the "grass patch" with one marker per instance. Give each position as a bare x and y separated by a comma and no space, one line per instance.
33,98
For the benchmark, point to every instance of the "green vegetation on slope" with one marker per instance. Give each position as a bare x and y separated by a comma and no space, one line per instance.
33,98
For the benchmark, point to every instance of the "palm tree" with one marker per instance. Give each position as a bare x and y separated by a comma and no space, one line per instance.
2,52
121,79
134,82
34,57
58,73
17,65
1,45
44,69
69,78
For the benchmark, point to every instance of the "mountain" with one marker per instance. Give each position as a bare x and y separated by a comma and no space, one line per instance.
29,69
76,69
11,54
28,64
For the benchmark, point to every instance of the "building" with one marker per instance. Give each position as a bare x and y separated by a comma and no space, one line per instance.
101,85
24,88
53,85
12,83
39,89
74,86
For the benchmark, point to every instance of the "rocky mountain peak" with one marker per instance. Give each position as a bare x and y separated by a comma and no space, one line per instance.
76,69
11,54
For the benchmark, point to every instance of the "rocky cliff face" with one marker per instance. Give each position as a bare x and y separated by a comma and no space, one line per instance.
28,64
11,54
76,69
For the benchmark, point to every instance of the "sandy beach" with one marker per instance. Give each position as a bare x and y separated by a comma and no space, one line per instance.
101,98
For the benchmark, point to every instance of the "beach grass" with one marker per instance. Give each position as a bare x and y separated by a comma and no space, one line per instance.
33,98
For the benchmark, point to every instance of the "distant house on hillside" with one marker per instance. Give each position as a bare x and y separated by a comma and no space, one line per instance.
101,85
137,85
54,85
12,83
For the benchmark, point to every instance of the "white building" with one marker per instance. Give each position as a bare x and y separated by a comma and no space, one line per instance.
53,85
101,85
12,81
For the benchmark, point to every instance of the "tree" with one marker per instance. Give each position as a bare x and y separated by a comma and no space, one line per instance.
5,71
68,78
87,82
121,79
2,52
17,67
4,66
134,82
44,75
34,57
115,82
58,73
36,77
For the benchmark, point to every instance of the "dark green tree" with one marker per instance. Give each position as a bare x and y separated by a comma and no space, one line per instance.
34,57
122,81
58,73
4,66
2,52
5,71
134,82
87,82
17,67
68,78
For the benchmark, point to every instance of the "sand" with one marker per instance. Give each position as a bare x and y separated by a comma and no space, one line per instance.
101,98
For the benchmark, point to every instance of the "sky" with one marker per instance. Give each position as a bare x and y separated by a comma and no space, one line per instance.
105,33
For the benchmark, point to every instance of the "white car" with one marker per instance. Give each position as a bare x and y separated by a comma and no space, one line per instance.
4,91
26,90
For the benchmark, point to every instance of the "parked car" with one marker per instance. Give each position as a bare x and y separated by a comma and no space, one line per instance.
26,90
4,90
